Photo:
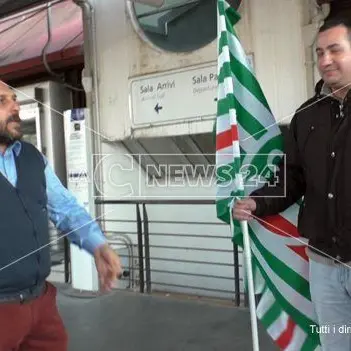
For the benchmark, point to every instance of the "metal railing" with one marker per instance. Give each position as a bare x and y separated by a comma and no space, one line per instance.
60,255
157,256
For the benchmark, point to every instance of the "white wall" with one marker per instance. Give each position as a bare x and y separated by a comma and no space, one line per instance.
272,31
279,54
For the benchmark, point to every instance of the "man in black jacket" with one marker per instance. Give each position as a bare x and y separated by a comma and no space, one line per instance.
318,168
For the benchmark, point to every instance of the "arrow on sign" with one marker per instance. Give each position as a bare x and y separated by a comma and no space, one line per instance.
158,108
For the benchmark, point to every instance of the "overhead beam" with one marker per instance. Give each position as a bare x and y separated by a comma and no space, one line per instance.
155,3
158,3
9,7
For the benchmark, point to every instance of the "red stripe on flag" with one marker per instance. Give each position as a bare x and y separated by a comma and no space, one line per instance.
226,138
279,225
285,337
299,250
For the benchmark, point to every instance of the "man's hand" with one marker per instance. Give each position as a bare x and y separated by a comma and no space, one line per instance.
242,210
108,266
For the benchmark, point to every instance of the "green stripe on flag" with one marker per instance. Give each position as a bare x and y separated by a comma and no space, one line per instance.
295,280
311,343
260,160
248,122
223,73
298,317
222,210
244,76
231,16
223,41
221,8
271,315
225,105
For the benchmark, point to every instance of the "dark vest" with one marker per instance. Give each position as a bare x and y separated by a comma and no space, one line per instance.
24,224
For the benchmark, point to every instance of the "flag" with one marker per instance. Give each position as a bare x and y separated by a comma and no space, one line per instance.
249,145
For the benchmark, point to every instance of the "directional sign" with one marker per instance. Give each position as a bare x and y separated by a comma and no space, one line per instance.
158,108
174,96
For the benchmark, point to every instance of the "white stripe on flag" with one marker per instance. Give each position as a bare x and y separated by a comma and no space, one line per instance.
269,240
251,104
247,100
297,340
224,156
296,300
278,326
236,50
236,149
252,146
225,88
266,302
223,123
233,119
224,189
226,5
222,23
227,85
233,44
221,60
290,215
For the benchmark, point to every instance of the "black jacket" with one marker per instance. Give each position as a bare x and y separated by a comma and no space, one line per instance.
317,167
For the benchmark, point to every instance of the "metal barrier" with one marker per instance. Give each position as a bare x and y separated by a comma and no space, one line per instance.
60,256
144,238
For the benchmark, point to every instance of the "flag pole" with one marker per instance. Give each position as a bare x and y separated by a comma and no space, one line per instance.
249,274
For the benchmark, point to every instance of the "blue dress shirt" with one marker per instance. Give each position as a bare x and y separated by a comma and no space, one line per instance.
64,211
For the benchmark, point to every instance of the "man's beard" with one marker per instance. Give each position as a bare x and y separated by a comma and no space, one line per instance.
7,138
